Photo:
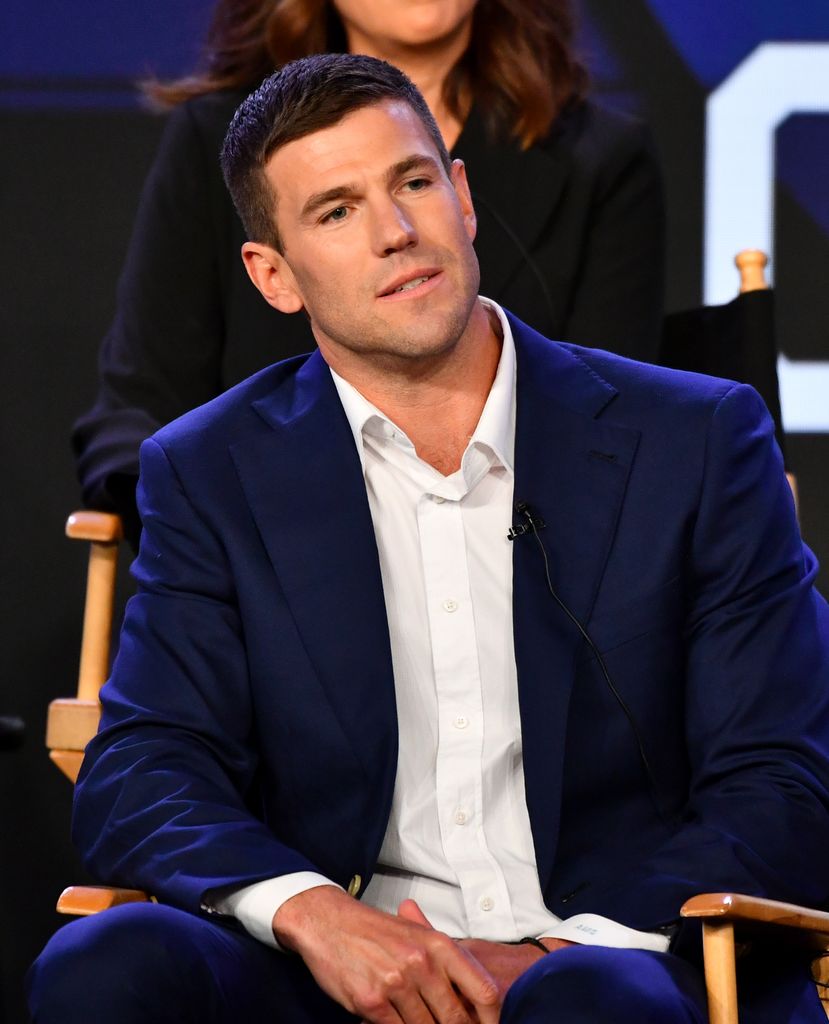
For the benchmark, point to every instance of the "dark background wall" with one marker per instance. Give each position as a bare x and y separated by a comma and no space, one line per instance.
76,146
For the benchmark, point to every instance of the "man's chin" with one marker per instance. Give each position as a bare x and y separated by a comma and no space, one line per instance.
418,331
431,336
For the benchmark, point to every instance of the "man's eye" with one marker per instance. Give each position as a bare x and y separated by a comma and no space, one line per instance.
417,184
338,214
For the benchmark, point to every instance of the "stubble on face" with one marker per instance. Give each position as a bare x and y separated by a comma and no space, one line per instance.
429,331
343,276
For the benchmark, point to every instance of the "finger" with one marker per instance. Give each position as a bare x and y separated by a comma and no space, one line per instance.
409,910
387,1015
487,1014
438,1004
458,981
432,998
476,986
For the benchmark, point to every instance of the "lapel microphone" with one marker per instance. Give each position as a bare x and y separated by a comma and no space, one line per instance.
533,524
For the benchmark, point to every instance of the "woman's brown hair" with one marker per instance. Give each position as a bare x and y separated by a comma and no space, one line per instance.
520,67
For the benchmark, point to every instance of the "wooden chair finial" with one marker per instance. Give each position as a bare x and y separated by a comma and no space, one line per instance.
752,263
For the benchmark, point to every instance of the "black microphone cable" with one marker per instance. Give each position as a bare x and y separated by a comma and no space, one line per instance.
533,526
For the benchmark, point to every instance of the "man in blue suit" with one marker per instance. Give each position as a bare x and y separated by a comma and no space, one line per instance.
515,641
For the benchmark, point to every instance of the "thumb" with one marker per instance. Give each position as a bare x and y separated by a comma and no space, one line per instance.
409,910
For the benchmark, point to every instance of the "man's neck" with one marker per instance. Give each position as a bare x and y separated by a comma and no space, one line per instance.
437,403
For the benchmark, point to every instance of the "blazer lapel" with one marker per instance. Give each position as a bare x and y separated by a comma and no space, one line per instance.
304,484
572,470
515,193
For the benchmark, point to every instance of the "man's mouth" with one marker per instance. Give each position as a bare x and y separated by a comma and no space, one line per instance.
404,283
412,284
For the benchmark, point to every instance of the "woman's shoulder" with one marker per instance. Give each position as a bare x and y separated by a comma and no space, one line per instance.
589,137
596,131
208,115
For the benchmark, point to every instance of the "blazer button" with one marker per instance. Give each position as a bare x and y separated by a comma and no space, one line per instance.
354,886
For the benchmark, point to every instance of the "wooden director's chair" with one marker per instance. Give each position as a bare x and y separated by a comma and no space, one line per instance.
736,341
73,722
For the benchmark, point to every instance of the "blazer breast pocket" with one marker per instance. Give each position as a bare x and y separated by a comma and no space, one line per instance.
612,625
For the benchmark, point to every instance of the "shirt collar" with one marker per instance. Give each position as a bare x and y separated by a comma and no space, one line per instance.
495,431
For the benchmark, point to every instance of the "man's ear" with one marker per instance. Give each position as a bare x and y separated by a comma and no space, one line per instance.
461,186
272,276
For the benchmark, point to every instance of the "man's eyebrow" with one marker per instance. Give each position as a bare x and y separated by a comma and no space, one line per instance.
416,162
330,195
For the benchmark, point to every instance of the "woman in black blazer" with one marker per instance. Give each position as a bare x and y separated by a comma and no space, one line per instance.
568,197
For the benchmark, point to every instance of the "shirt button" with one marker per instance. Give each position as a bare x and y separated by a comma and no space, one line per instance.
486,903
461,722
437,499
461,817
449,605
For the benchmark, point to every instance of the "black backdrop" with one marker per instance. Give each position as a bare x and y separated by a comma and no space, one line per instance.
74,156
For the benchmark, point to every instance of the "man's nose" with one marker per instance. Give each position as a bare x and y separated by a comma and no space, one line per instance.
393,229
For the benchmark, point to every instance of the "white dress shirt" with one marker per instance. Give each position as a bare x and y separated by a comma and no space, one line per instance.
458,840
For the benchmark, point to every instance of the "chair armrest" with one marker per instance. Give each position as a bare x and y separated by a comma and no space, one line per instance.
719,913
70,725
737,908
83,900
103,527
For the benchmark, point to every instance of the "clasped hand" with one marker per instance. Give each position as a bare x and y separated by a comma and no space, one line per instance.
396,970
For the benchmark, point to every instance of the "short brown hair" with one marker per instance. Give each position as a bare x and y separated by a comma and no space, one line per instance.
520,69
304,97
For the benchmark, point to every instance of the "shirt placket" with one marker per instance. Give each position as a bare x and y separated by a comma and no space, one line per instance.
459,767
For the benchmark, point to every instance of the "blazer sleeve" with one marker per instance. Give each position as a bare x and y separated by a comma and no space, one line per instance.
166,797
162,354
617,301
756,700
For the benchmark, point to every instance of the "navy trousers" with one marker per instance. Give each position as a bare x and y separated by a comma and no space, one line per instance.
150,963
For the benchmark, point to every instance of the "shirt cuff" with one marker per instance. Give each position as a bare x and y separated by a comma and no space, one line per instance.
594,930
254,906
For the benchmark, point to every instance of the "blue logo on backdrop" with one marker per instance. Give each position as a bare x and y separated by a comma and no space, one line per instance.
714,37
764,66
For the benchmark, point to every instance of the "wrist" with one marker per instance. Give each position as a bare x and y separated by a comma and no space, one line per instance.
296,916
533,944
551,945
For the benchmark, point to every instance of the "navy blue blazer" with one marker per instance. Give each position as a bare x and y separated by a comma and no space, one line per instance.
249,726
